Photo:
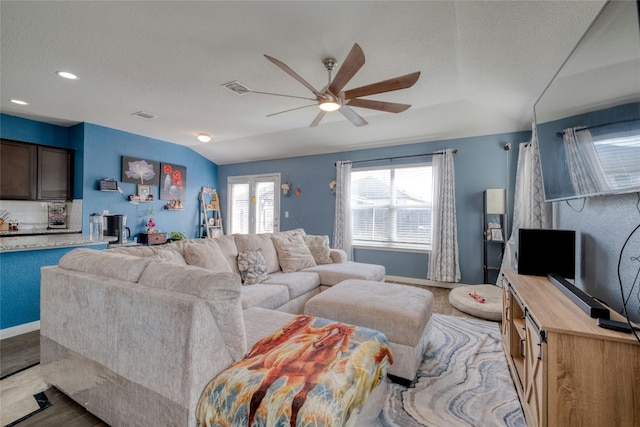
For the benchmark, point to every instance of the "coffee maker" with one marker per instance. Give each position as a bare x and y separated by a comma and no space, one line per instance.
115,229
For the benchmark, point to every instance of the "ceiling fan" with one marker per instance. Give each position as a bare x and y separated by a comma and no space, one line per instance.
333,98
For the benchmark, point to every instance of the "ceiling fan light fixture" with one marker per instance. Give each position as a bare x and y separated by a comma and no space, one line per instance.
329,105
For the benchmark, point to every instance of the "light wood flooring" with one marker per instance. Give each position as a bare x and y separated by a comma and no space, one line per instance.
22,351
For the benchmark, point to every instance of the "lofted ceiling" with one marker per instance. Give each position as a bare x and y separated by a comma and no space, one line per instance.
483,65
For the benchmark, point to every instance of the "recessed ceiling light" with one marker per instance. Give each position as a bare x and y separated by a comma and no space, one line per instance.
67,75
19,102
203,137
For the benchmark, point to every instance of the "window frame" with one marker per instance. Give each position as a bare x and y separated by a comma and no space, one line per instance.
392,209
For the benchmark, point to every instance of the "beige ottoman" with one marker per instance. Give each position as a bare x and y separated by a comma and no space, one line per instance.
400,312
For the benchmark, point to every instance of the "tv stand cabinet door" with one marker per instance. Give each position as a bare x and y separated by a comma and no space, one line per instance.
535,388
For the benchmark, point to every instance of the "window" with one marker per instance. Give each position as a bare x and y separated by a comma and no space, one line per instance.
254,204
391,207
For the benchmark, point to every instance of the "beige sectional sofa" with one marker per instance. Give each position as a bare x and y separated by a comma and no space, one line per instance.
135,333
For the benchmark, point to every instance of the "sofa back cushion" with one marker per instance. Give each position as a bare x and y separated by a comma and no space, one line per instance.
227,245
221,290
253,242
319,248
206,254
170,255
104,263
293,253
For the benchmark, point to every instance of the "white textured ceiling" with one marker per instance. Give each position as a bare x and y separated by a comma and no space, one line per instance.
483,66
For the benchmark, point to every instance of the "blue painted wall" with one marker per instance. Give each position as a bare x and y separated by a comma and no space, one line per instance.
481,163
98,155
102,158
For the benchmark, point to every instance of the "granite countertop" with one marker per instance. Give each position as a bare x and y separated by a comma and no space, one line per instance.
36,231
14,243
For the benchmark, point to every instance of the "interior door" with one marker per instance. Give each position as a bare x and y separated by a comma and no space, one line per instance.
254,204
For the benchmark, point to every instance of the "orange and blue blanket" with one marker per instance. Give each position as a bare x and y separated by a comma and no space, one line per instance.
312,372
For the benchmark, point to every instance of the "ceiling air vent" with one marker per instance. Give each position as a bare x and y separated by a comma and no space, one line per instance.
237,87
144,115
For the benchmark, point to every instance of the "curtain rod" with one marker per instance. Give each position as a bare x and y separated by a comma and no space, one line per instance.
401,157
561,133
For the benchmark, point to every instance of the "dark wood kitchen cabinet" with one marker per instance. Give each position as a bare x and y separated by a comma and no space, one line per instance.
35,172
18,172
55,168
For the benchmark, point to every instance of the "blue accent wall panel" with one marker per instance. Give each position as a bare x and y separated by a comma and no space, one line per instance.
102,158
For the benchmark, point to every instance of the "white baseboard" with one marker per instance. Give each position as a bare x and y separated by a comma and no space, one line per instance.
421,282
19,330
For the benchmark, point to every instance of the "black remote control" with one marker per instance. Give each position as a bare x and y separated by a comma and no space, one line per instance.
616,326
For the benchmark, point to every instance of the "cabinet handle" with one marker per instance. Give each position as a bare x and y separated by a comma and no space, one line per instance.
522,348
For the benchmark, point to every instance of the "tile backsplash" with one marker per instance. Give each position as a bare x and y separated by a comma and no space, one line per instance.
33,214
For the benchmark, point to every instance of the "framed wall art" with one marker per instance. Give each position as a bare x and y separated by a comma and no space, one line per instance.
140,171
173,181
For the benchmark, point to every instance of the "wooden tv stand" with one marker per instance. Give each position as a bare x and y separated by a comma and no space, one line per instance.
566,369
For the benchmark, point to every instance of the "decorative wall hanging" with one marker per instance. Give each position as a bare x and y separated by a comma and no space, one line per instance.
140,171
286,189
332,186
173,182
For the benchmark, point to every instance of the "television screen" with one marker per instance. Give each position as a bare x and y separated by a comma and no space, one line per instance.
541,252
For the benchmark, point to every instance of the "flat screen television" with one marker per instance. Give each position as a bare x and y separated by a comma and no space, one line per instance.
545,251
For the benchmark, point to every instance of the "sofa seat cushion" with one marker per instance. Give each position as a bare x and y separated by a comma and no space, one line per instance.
293,252
298,283
260,322
332,274
265,296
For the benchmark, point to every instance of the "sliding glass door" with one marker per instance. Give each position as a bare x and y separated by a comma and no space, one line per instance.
254,204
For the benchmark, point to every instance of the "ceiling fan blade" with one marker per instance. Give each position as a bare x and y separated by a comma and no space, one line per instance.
396,83
389,107
291,109
319,117
352,63
284,67
352,116
281,94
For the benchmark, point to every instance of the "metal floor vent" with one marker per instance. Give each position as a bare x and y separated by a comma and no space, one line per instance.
144,115
236,87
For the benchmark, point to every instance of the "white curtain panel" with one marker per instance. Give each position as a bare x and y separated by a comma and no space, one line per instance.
342,221
444,262
529,208
587,175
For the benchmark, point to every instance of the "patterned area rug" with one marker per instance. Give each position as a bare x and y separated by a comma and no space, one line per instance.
463,380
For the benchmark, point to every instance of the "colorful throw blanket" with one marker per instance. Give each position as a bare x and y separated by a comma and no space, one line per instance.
312,372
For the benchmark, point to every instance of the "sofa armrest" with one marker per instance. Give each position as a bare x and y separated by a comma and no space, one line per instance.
338,256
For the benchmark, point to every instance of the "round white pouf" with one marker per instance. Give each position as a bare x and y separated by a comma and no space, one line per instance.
491,309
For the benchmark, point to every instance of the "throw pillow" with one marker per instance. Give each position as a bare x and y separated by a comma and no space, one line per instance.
206,254
319,248
293,253
252,266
